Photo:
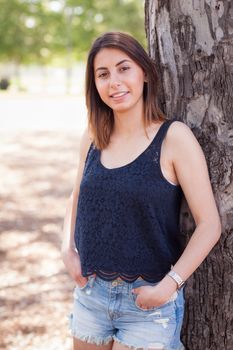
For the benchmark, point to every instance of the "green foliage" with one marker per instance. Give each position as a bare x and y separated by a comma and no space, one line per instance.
42,30
24,27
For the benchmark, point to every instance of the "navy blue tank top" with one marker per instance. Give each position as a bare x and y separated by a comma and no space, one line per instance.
127,222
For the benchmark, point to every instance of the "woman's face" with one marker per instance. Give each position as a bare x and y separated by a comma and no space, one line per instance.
119,80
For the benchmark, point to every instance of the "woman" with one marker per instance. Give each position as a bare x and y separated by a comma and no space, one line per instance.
121,243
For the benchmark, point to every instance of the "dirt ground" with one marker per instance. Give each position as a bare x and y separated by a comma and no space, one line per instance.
37,172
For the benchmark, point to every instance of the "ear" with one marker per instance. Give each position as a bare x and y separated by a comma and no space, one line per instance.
145,78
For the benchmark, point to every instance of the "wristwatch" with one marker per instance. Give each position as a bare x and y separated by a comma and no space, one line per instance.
176,278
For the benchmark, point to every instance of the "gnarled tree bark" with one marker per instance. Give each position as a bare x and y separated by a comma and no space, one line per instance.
192,43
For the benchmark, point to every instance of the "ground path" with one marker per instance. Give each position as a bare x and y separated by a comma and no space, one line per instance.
39,141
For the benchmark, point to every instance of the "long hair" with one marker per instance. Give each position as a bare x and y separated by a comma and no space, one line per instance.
100,116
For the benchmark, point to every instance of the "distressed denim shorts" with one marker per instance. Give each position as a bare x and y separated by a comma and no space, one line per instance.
106,310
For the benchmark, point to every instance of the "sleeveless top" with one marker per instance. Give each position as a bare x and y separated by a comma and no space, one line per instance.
127,222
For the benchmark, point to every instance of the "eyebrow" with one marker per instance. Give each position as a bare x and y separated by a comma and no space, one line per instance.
99,68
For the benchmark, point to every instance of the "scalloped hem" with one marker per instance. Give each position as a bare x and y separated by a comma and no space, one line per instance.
126,278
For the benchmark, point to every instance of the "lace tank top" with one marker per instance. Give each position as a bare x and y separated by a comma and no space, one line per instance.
127,222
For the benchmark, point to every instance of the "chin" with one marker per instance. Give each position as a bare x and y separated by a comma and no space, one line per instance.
121,108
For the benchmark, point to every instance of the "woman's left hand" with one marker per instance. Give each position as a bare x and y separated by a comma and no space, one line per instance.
155,296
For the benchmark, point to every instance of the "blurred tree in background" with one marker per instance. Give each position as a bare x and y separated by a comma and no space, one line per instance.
27,29
41,31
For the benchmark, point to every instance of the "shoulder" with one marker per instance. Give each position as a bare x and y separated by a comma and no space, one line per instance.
178,129
183,144
84,146
181,138
85,143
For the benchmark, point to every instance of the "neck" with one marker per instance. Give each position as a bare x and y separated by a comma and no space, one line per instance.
128,123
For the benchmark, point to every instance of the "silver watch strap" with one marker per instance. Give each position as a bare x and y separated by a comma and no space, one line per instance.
176,278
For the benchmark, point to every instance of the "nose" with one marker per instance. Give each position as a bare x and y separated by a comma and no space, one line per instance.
114,81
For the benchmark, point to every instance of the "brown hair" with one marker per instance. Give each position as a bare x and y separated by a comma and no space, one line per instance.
100,116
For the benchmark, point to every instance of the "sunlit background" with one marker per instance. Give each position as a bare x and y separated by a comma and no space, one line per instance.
43,44
43,48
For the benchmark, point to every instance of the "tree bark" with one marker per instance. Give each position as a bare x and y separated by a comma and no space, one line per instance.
192,44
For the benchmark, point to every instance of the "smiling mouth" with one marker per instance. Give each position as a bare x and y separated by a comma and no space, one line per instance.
119,94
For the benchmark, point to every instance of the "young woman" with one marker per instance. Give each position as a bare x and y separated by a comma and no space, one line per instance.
122,245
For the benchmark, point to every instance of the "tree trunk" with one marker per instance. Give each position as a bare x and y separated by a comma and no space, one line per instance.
192,43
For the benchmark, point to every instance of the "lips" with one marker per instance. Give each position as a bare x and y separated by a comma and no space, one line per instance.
119,94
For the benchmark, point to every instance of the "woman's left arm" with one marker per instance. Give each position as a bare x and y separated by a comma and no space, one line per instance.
192,172
191,169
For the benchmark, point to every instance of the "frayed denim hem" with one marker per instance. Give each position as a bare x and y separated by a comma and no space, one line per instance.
152,347
125,344
91,339
181,347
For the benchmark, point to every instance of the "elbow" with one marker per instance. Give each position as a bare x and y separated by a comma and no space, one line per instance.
217,229
213,228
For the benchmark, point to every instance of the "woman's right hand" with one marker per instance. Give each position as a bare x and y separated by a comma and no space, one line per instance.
72,263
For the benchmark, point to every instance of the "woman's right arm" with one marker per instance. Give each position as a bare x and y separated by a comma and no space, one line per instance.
69,253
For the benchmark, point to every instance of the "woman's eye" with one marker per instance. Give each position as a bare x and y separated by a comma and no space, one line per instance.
103,75
124,68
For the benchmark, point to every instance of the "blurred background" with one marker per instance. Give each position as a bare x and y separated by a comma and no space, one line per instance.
43,49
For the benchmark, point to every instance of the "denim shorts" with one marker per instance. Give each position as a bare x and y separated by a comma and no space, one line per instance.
106,310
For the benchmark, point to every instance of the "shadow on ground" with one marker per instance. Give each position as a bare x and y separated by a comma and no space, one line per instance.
37,173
